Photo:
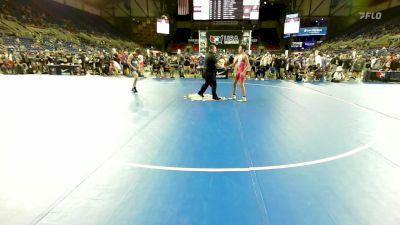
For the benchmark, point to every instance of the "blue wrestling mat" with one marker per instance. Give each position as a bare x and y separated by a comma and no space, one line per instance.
86,151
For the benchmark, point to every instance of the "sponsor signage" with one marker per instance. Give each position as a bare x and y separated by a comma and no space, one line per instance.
221,74
309,31
203,41
224,39
297,44
309,44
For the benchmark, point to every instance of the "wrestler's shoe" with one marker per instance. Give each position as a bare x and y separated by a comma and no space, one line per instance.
244,99
233,97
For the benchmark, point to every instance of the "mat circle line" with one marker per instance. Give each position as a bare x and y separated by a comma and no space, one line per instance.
251,168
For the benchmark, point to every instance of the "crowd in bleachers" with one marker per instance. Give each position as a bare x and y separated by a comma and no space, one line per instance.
323,65
309,65
370,34
47,13
306,66
28,62
35,36
367,45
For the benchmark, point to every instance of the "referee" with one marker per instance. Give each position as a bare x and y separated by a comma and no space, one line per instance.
210,70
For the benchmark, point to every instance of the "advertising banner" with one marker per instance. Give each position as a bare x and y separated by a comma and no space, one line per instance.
223,39
309,44
203,41
310,31
297,44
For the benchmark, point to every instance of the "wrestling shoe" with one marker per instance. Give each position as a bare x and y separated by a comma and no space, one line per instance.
244,99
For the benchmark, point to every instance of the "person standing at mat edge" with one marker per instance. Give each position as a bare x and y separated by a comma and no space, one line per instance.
210,70
133,63
242,61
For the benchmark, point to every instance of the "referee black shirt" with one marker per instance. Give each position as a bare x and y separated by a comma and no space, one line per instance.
210,65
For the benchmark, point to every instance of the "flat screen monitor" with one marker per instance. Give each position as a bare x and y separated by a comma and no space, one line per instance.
292,24
162,26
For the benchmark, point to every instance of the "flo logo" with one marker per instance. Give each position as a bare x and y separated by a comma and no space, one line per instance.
370,15
216,39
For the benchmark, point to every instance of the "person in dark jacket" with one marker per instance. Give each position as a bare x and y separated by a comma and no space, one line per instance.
210,69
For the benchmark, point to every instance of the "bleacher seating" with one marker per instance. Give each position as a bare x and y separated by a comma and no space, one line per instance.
48,25
370,34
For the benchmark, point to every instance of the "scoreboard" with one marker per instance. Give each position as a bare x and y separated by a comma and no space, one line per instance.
226,9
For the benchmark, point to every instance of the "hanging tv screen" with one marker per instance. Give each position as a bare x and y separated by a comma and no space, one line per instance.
162,26
292,24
